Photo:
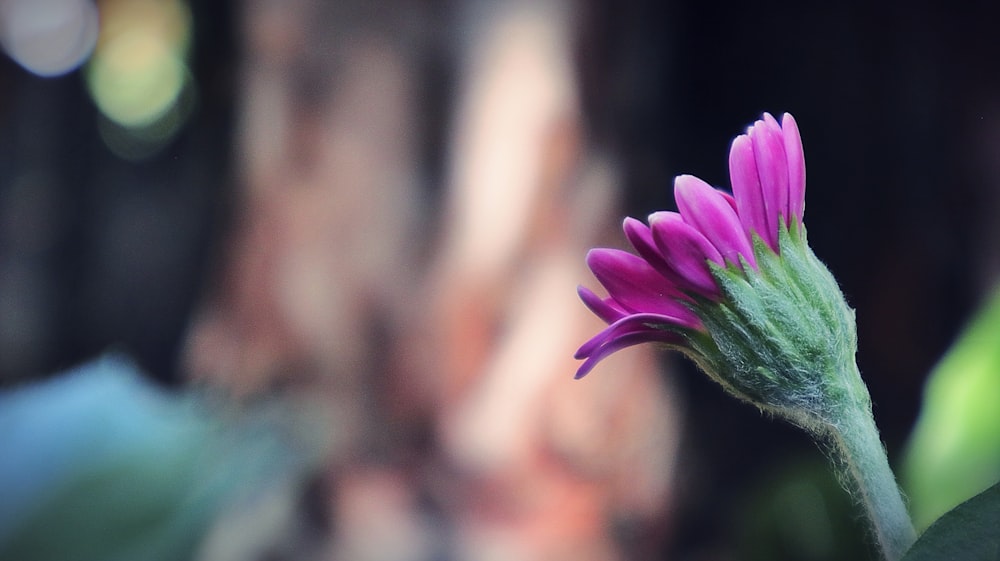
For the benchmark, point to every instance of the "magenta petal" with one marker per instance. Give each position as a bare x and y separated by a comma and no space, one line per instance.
622,342
796,169
641,238
772,166
626,332
604,308
747,190
636,286
729,199
627,325
686,251
705,208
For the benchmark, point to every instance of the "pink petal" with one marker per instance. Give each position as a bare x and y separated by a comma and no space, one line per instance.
772,167
796,169
627,332
641,238
636,286
605,308
627,325
729,199
623,342
705,208
747,192
686,251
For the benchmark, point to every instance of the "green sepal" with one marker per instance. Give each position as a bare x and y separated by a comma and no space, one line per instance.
782,336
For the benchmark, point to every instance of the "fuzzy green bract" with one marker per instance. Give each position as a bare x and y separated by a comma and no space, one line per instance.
781,335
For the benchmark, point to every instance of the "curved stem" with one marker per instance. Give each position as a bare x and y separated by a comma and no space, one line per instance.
856,439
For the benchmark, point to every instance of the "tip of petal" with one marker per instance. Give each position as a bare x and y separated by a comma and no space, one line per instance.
598,256
690,185
630,222
635,230
605,308
710,212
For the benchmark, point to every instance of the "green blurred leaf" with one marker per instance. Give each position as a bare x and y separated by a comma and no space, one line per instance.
796,510
954,451
969,532
99,464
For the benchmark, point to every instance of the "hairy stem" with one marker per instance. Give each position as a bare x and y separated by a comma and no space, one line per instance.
856,441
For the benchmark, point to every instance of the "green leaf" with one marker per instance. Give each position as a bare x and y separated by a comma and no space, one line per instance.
98,464
969,532
954,451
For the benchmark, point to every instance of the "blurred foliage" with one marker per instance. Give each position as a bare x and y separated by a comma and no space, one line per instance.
799,511
99,464
969,532
954,451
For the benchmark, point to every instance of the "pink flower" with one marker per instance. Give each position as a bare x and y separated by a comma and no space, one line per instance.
655,296
731,282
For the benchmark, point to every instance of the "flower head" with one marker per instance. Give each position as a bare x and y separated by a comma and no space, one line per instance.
730,281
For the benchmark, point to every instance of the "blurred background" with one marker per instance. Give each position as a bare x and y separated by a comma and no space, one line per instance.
384,207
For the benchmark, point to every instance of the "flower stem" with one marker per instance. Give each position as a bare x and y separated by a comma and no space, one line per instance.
864,460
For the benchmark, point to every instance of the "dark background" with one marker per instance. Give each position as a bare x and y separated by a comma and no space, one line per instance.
899,108
98,252
897,104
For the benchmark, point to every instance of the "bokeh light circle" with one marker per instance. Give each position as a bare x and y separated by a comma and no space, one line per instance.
48,37
136,79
